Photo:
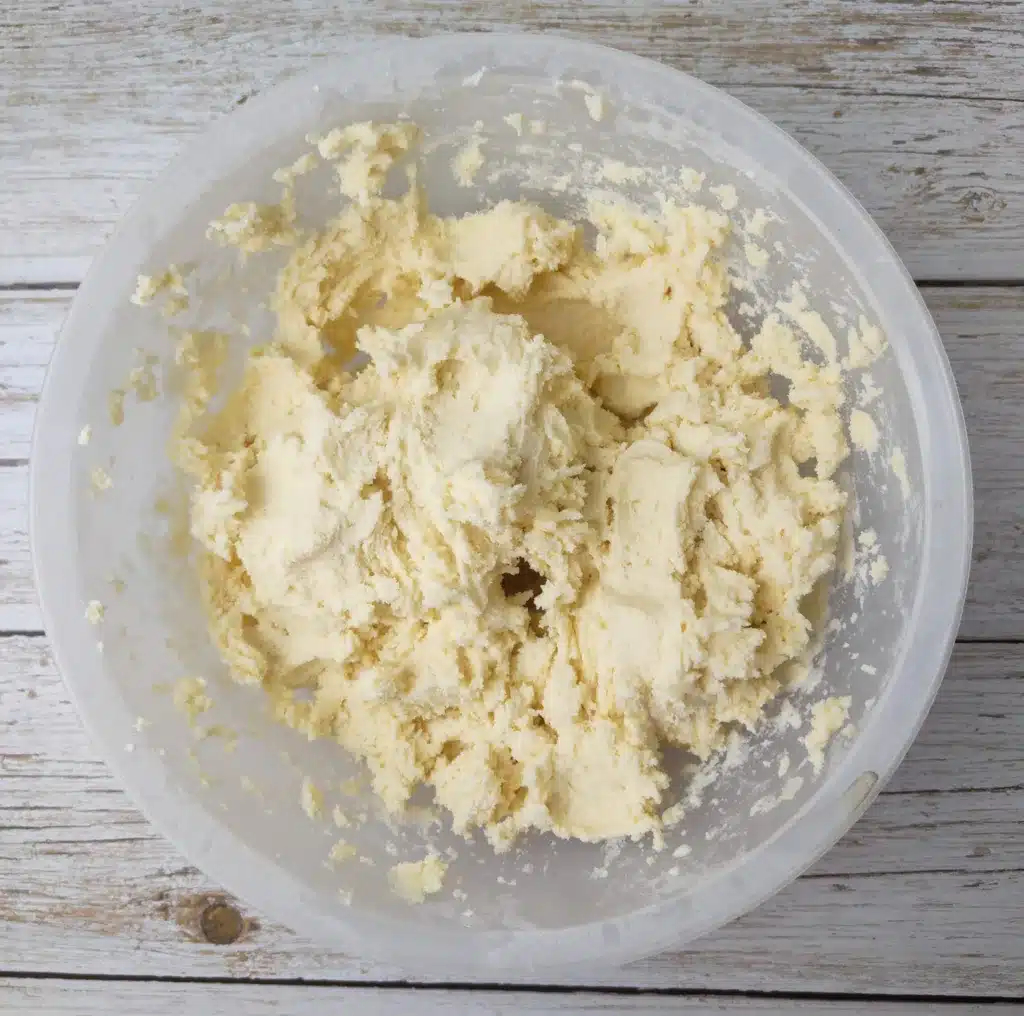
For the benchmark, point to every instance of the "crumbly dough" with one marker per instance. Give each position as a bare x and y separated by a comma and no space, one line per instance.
556,521
863,431
827,718
311,798
100,480
168,287
190,696
898,462
341,851
468,162
415,880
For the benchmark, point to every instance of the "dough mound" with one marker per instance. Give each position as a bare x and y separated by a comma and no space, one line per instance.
554,523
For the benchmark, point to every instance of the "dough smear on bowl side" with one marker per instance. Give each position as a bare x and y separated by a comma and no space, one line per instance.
555,523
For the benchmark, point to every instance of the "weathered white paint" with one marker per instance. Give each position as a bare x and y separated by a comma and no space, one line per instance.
914,106
59,997
964,47
925,895
982,334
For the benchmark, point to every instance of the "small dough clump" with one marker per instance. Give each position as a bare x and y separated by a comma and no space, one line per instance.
414,881
827,718
506,513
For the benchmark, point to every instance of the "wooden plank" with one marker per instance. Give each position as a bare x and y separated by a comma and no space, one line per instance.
956,48
915,107
59,997
985,344
941,177
925,895
982,334
29,324
19,610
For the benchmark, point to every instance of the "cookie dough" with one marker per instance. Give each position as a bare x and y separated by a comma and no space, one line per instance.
505,512
827,718
416,880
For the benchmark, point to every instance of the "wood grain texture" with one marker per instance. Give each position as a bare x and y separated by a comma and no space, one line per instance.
910,105
919,108
980,328
19,610
925,895
57,997
956,48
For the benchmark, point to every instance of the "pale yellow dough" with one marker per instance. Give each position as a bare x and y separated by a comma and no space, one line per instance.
415,880
532,411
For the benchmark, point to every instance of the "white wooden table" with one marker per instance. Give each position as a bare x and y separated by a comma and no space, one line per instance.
919,108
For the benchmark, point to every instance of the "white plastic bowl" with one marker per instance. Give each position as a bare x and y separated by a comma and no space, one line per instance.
259,844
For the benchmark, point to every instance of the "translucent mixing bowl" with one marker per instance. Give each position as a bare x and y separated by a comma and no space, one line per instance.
237,814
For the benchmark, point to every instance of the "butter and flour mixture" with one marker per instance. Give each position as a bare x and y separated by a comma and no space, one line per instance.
505,512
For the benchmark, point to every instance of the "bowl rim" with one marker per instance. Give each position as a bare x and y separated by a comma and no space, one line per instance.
851,784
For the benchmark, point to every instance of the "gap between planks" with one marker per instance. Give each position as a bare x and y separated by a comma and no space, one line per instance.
58,995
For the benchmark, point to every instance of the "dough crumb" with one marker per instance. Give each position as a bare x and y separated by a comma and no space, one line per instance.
863,432
898,463
94,611
415,880
85,435
468,162
691,179
515,121
595,106
169,284
100,479
757,257
115,406
727,196
618,172
770,802
312,799
866,344
810,321
142,379
189,695
869,391
755,224
365,152
868,564
827,718
300,167
341,851
254,228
